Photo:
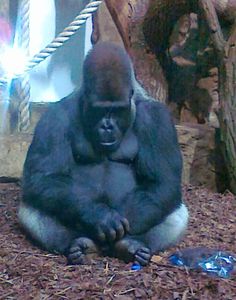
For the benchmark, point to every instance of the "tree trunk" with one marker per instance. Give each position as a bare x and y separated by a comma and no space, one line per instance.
129,18
228,106
226,51
145,27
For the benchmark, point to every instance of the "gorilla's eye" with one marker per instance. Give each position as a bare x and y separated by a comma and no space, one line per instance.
98,112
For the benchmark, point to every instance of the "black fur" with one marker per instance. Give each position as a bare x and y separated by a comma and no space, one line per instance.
68,177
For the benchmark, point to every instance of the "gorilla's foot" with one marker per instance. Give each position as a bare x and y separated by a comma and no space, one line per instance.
81,250
143,256
129,249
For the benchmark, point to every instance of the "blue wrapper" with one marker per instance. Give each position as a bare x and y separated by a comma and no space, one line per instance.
220,264
217,263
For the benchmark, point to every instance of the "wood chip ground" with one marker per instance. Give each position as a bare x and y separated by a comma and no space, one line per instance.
27,272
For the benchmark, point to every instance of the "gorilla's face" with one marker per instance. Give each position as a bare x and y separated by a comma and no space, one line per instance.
107,93
106,119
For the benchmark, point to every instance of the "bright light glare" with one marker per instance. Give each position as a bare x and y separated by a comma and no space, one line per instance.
13,62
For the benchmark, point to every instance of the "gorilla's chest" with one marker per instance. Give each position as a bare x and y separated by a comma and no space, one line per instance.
105,176
109,180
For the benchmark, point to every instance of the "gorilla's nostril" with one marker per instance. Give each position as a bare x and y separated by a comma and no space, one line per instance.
106,125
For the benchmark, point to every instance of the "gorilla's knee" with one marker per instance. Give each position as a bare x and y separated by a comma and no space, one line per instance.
170,231
44,230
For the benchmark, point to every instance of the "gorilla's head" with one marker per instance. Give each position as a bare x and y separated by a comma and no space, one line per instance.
107,93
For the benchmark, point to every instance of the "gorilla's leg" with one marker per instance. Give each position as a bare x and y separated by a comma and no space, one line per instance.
140,248
53,236
169,232
45,230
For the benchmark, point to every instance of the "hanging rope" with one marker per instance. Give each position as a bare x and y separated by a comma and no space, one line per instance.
65,35
60,40
23,85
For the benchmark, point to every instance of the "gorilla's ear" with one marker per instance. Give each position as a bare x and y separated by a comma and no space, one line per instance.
133,111
131,93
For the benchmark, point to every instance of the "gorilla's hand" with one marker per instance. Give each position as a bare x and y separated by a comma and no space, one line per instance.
112,227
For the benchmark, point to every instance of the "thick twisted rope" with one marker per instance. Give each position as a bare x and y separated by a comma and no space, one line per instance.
65,35
24,85
61,38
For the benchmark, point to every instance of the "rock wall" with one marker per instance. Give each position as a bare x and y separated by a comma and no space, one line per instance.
197,144
202,159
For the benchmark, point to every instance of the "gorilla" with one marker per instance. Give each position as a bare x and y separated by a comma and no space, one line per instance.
103,172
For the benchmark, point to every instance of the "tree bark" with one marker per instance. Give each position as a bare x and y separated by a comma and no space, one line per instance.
129,18
228,106
226,51
145,27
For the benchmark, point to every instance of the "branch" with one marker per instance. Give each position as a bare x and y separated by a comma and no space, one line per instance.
210,15
118,11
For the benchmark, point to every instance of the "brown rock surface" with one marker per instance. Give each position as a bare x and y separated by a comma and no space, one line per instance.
203,164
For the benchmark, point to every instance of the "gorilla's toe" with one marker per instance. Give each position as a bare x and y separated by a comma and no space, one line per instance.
143,256
81,251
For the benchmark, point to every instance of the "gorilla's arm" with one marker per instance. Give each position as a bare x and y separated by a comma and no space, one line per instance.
48,182
158,166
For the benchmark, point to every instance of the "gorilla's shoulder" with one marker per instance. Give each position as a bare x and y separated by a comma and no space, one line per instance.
152,113
60,114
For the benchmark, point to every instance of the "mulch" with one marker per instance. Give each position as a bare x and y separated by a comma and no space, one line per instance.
27,272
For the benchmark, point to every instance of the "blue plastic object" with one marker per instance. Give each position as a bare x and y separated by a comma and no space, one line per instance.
136,267
176,260
218,263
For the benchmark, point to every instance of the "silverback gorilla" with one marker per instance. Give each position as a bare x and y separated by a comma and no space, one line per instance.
103,172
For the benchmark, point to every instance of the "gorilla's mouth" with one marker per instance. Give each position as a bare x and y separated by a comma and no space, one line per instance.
108,143
108,139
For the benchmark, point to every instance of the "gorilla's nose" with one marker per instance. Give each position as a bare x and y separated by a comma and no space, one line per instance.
107,125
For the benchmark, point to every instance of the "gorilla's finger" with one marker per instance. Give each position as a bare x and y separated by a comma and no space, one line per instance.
125,223
145,250
140,260
101,235
74,249
144,255
74,256
111,235
83,244
120,231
